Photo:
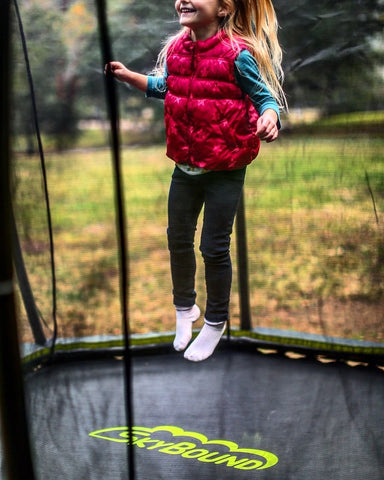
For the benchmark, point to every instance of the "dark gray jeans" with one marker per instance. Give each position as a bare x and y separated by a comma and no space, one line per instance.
219,193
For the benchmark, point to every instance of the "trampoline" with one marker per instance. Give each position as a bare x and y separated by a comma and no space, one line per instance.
270,404
241,415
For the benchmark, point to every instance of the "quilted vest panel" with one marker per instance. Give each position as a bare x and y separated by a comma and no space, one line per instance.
210,122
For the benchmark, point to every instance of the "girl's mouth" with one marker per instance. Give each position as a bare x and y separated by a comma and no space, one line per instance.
187,10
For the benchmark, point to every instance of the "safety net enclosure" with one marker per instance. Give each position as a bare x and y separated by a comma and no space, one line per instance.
295,390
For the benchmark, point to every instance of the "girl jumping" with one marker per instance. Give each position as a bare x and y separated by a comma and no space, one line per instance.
220,78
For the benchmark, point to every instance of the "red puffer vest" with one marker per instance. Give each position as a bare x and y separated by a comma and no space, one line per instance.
210,122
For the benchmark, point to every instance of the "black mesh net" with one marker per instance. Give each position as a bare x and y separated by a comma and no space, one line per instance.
308,260
313,199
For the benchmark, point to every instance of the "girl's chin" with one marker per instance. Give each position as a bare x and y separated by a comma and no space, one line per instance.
186,18
184,22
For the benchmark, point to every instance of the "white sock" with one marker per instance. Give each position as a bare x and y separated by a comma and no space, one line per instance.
184,321
205,343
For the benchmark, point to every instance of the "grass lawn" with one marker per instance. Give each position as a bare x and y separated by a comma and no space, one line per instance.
314,227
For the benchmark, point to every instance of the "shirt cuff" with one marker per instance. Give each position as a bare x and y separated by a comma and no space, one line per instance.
150,83
271,106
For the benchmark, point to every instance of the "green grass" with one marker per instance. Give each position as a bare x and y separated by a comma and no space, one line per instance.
356,118
316,253
356,124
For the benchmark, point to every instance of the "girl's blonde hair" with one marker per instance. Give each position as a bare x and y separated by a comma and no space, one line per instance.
255,22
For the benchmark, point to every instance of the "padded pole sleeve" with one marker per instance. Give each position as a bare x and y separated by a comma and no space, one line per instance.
15,438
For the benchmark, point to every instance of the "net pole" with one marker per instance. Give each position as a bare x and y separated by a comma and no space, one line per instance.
121,224
15,435
242,263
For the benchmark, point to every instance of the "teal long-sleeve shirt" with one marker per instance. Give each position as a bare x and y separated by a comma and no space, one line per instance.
247,76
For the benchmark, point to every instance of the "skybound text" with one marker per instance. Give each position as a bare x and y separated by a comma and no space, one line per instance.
218,452
189,450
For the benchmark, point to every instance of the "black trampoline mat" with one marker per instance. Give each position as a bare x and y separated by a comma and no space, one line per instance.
232,416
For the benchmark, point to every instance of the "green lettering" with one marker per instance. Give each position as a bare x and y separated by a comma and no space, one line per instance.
141,437
231,461
126,436
212,457
249,465
142,442
178,448
198,452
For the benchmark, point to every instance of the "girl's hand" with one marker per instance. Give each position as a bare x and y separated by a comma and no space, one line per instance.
267,126
122,73
117,70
